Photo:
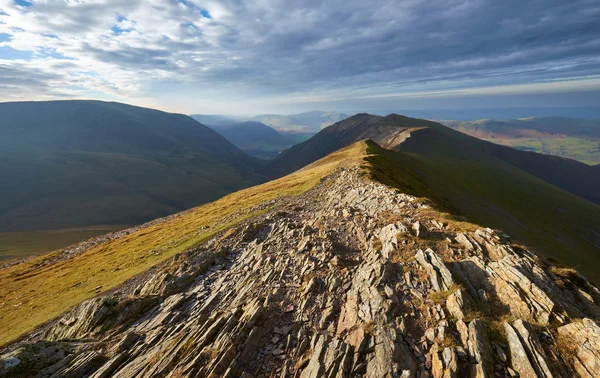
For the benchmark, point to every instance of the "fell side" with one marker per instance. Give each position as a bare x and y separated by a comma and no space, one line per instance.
350,278
41,288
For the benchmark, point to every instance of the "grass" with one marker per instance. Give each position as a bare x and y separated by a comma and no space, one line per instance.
490,192
439,297
585,150
31,295
21,244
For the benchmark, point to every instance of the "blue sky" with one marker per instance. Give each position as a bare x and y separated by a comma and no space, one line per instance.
243,57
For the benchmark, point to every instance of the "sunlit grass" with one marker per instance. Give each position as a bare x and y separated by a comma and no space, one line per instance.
30,296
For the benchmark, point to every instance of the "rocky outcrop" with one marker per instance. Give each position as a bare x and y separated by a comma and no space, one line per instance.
350,279
583,340
526,353
440,276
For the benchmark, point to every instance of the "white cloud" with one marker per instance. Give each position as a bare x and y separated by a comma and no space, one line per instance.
275,50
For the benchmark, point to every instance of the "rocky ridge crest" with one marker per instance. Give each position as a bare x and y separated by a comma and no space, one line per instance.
352,278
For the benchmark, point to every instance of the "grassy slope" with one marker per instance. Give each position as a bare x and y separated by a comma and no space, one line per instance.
21,244
80,163
490,192
30,296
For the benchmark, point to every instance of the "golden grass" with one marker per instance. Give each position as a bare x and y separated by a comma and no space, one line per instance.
30,296
440,297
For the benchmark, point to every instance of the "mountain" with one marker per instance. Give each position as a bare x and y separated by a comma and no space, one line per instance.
390,131
77,163
573,138
255,138
540,200
214,119
328,271
308,122
332,138
304,123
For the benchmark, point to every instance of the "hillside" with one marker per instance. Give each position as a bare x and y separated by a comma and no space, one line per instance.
572,176
572,138
489,184
332,138
79,163
66,277
325,272
255,138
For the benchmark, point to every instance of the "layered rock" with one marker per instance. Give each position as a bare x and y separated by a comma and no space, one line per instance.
350,279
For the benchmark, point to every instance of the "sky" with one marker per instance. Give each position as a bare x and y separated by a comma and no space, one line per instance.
274,56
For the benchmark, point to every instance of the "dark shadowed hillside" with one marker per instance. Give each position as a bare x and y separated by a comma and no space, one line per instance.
76,163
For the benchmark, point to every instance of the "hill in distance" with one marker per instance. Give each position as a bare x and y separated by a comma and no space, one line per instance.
546,202
572,138
214,119
306,123
324,272
81,163
255,138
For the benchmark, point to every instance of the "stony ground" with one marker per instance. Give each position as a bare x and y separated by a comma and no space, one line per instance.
352,279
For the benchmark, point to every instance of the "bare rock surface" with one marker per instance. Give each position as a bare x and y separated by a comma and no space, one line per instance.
351,279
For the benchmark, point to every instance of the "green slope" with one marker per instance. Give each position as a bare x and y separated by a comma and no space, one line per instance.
79,163
488,191
540,200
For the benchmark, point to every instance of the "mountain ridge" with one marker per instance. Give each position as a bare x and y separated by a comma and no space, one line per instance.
347,276
570,175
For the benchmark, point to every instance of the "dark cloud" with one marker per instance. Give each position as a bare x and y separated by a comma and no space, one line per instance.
276,47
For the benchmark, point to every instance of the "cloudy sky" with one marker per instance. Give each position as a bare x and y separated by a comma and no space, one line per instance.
242,56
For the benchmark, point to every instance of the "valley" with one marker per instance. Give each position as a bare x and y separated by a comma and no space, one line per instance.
572,138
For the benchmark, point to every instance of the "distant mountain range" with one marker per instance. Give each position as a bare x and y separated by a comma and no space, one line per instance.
255,138
465,114
573,138
77,163
307,122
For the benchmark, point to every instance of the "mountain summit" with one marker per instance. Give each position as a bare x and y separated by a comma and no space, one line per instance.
328,271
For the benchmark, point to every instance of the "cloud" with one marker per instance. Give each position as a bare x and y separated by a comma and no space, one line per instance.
238,50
